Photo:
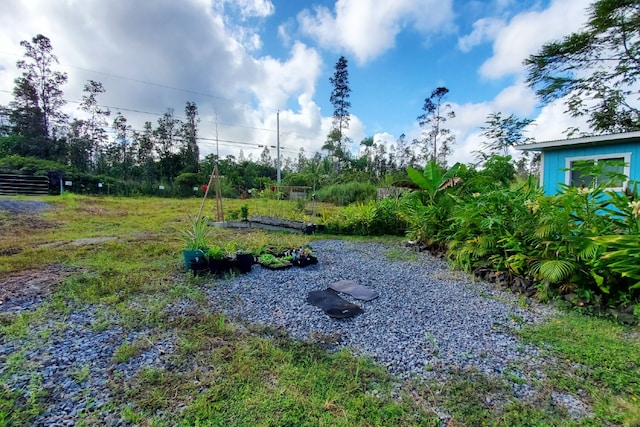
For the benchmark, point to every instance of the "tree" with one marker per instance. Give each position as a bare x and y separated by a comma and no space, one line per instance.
502,133
37,94
125,145
167,134
380,164
340,100
145,159
595,70
436,139
265,157
302,161
404,156
368,147
190,136
92,129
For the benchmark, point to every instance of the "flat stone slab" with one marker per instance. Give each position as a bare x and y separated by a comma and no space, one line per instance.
333,305
354,289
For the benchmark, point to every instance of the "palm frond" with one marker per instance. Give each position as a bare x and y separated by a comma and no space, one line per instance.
555,271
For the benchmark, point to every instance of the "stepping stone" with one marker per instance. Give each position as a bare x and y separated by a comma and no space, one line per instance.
354,289
333,305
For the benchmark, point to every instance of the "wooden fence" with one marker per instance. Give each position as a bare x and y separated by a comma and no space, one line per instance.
11,185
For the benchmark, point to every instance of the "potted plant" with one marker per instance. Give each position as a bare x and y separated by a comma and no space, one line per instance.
272,262
199,265
214,256
244,261
195,238
304,256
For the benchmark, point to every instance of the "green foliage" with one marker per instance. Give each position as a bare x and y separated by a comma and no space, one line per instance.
368,219
582,240
244,212
345,194
500,169
29,165
215,252
432,178
622,256
197,233
273,261
594,69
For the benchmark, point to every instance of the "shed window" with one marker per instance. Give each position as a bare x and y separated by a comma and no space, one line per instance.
611,170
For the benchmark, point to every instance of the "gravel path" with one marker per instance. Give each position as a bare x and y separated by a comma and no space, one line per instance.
426,318
426,321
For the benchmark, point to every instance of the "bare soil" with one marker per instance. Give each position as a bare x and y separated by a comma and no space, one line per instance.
30,285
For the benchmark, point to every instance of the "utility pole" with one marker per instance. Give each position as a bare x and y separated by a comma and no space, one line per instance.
278,146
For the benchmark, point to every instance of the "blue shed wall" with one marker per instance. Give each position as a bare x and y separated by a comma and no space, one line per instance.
554,161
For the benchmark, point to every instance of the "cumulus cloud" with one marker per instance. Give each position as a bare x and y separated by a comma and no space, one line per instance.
151,57
484,29
518,99
367,28
280,80
254,8
527,32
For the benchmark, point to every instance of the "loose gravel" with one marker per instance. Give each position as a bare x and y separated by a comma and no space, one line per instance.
427,321
426,318
23,206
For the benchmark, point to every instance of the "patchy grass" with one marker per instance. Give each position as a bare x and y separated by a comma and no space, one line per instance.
222,373
402,254
601,359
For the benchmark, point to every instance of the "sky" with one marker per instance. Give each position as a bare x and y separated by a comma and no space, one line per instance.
246,63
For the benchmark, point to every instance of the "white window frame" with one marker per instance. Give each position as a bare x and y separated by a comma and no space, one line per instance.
626,170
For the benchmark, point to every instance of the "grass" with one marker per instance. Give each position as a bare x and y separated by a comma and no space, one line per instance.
602,359
223,373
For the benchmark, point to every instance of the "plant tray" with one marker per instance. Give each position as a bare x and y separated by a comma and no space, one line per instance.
278,267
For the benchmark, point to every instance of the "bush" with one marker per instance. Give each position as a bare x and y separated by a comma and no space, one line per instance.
345,194
368,219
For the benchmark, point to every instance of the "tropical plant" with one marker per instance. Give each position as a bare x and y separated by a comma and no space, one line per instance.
272,261
215,253
196,235
432,180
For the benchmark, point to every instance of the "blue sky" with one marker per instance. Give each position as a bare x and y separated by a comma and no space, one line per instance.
243,60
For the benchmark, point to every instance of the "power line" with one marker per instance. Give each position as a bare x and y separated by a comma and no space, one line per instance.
146,82
133,110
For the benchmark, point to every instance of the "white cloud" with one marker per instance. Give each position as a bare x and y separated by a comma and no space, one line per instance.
188,45
280,80
552,123
484,29
518,99
367,28
528,31
254,8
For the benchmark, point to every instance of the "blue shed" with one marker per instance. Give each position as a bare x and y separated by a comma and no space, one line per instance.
560,159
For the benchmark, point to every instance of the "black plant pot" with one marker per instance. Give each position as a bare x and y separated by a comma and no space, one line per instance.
215,266
199,266
227,264
244,262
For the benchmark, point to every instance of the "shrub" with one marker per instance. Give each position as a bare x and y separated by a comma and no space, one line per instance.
345,194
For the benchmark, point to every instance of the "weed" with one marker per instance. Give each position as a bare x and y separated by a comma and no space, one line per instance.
401,254
80,374
129,350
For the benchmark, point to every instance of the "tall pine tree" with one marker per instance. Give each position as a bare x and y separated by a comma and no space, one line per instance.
436,139
339,98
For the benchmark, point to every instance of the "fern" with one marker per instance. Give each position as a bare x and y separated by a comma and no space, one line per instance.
591,251
554,271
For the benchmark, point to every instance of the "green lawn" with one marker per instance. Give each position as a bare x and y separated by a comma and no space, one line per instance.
229,374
